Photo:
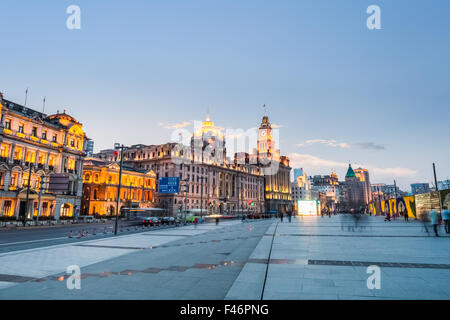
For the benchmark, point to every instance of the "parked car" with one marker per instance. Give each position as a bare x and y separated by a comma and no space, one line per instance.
156,221
168,220
149,221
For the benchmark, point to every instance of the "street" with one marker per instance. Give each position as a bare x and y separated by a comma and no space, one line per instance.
35,237
310,258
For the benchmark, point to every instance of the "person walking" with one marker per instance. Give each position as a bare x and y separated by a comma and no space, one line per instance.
289,216
446,218
281,216
434,218
195,223
388,216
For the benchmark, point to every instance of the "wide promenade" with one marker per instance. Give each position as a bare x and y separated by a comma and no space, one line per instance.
309,258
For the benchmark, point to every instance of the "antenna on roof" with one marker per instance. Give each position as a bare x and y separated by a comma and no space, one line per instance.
26,97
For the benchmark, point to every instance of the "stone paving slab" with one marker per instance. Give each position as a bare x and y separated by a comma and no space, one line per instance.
414,265
201,266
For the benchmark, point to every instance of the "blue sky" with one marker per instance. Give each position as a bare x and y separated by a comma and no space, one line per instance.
339,91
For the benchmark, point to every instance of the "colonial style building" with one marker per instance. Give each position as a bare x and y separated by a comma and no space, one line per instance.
276,170
216,184
51,148
356,189
100,184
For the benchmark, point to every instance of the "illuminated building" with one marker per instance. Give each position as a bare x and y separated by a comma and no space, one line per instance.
216,184
363,175
354,190
100,184
276,170
54,148
328,185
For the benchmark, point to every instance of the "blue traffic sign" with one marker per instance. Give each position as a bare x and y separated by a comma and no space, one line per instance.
169,185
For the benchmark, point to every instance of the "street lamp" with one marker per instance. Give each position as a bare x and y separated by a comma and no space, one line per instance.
201,196
118,146
25,216
186,190
39,200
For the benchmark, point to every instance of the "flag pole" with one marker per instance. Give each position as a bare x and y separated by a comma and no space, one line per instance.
26,96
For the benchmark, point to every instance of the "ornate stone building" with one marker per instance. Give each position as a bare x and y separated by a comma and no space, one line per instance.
355,197
216,184
53,147
276,170
101,181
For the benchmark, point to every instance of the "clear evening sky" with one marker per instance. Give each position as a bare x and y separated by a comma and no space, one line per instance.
340,92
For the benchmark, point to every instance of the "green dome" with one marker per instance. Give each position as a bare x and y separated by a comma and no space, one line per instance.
350,172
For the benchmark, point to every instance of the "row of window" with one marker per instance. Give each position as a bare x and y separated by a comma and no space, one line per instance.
34,130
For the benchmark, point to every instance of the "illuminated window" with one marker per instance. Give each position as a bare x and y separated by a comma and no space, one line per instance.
41,159
4,151
52,160
30,157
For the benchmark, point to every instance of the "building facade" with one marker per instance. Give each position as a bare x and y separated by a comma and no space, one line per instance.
276,170
100,187
354,191
216,184
419,188
328,185
363,175
52,149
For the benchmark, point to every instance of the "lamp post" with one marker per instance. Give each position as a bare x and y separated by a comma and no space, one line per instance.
186,190
39,199
118,146
437,188
25,216
201,196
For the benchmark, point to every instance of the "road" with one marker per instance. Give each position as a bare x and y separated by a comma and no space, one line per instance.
35,237
309,258
173,263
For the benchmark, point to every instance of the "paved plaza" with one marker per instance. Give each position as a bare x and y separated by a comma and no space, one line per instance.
309,258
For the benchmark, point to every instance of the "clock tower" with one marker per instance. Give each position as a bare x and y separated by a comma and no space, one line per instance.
265,144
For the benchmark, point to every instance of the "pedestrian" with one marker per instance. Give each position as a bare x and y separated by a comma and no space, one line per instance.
289,216
446,218
434,218
388,216
405,215
281,216
217,221
195,222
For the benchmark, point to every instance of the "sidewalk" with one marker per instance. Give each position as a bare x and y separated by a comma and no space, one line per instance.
153,260
322,258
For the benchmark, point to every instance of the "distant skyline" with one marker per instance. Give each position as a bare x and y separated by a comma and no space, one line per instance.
337,91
